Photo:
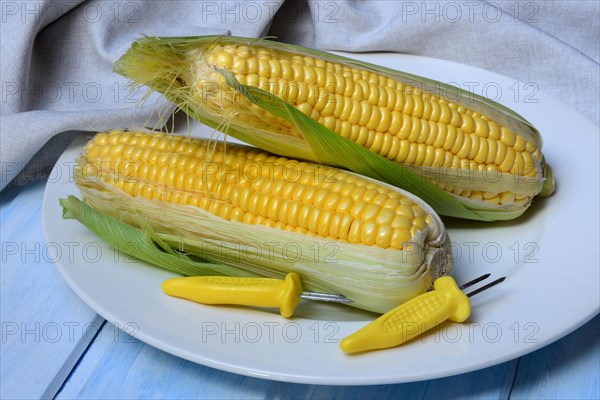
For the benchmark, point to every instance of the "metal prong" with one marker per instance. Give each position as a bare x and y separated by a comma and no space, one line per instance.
331,298
474,281
485,287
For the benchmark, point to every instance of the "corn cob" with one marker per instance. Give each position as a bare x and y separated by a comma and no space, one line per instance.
195,193
483,155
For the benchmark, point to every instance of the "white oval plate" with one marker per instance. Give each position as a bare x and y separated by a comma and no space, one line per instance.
549,256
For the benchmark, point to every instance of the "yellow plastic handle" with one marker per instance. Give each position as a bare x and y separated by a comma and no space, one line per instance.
412,318
259,292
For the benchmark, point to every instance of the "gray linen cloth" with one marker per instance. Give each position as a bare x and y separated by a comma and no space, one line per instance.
57,57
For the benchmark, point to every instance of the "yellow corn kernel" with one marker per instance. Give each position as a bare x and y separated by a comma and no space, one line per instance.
352,208
364,107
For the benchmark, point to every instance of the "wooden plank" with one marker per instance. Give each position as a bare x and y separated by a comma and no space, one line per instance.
119,366
45,326
567,369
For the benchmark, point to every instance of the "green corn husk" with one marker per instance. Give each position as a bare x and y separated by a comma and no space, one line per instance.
143,244
176,68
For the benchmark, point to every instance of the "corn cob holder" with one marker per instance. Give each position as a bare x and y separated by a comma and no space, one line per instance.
258,292
216,209
468,157
411,319
397,326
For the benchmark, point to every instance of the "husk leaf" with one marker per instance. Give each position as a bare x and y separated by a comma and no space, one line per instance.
145,245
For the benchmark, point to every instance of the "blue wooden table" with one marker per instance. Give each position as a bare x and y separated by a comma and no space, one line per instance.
53,345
